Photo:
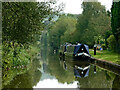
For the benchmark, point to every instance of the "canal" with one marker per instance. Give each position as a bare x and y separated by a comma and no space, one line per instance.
48,71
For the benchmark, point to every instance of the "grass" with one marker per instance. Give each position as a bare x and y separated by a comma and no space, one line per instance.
106,55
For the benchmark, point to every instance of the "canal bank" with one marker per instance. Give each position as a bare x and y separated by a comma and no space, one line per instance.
16,60
107,65
106,56
107,60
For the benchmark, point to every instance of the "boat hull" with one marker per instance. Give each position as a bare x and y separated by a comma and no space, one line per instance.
82,57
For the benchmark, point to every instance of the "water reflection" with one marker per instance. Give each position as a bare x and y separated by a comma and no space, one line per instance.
28,79
116,82
54,68
54,83
89,75
80,67
48,71
79,70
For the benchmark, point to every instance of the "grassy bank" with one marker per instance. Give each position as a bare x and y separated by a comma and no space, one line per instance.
16,55
106,55
16,59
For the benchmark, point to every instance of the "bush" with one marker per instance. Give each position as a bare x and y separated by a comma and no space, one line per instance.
112,42
103,46
15,54
12,54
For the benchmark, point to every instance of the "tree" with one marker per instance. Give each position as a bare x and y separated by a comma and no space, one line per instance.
112,42
93,22
23,21
70,29
115,22
61,31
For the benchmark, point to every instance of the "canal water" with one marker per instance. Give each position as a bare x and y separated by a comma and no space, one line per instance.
49,71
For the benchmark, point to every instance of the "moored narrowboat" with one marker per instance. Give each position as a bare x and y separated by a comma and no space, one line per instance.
77,52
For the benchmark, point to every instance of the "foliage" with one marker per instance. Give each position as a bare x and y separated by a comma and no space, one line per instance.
70,29
27,78
73,15
16,59
93,22
115,19
8,75
90,27
15,55
112,42
22,24
62,31
23,21
108,33
103,46
115,23
99,39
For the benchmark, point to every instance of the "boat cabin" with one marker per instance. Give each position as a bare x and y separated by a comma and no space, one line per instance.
79,51
81,48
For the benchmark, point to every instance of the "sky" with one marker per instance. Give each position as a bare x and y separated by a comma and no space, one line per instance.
74,6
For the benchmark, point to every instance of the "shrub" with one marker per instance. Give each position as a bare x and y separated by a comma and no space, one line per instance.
14,54
103,46
112,42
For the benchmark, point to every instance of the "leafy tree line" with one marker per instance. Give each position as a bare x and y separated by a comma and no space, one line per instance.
91,27
61,31
93,23
22,24
23,20
115,23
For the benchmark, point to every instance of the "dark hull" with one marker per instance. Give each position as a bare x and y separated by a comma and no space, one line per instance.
82,57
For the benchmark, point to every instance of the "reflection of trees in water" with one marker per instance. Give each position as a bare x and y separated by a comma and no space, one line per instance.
44,45
57,70
27,80
116,82
102,79
7,76
98,80
44,53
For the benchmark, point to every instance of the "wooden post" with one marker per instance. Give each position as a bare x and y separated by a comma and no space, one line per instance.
94,49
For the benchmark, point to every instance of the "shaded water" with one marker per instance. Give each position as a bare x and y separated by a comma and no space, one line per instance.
48,71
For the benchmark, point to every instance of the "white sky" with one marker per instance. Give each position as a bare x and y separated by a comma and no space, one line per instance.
74,6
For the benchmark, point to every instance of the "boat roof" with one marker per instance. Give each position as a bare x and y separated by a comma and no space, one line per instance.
78,46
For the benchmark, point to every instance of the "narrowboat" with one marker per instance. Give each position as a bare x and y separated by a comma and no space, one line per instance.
77,52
